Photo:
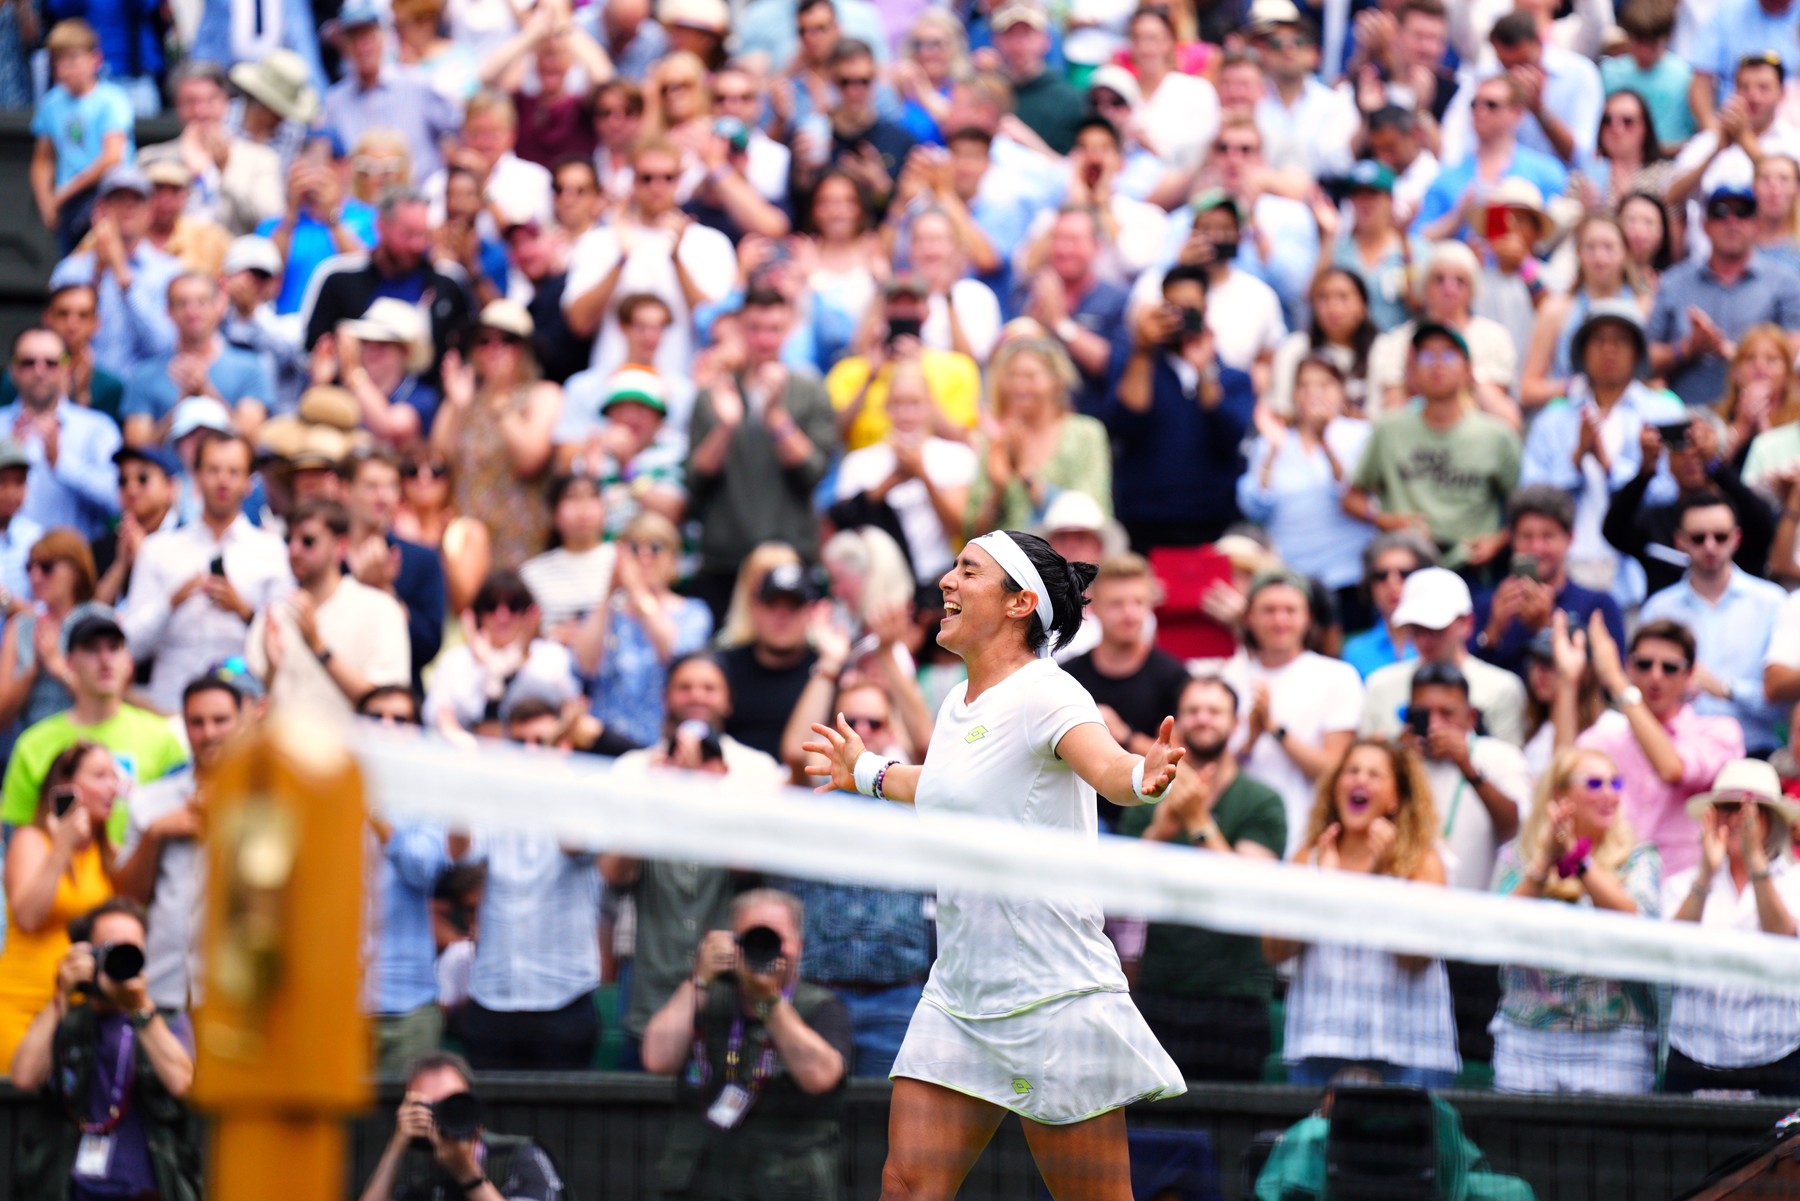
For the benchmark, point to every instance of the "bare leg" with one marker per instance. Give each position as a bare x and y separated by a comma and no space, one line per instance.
935,1135
1083,1161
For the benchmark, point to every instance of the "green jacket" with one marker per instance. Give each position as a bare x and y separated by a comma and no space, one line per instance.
1296,1168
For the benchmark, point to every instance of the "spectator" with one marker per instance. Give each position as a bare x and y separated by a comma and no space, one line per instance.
1206,995
64,447
618,127
195,239
1133,230
485,142
1740,31
1589,442
334,638
1135,683
72,313
1178,113
764,639
237,181
59,865
1603,276
33,675
737,92
1642,519
650,247
859,384
923,478
373,92
1731,615
1667,752
383,358
1300,470
1463,765
195,588
1083,312
1396,141
629,37
1742,878
1653,72
324,217
1354,1005
627,439
1040,447
1306,125
1448,294
1473,459
1298,719
147,486
252,281
1777,188
427,515
1496,107
102,1022
1342,333
578,567
1563,1034
1703,308
1541,520
1047,103
424,1161
1762,396
396,267
460,241
1437,615
553,121
1381,254
677,903
627,643
84,129
761,440
501,664
161,862
202,363
280,101
1388,560
18,533
1631,157
539,265
1562,696
576,201
129,275
1559,90
839,261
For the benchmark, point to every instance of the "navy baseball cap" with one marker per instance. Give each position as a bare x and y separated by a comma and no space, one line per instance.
150,454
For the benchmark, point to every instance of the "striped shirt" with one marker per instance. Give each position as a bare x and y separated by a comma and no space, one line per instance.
1733,1027
540,923
1360,1003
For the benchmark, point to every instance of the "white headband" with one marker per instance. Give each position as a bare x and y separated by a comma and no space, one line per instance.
1013,561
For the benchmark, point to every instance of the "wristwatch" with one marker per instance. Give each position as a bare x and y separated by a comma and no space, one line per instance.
1066,330
1205,833
1630,695
142,1018
471,1184
325,657
1279,733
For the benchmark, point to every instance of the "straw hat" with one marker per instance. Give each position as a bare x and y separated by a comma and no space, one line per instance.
1753,781
279,82
1522,196
393,320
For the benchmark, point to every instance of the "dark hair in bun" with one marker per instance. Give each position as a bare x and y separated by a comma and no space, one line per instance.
1066,583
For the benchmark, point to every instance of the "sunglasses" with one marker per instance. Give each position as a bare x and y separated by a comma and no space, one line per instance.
1488,104
506,607
1726,209
436,470
23,362
1102,98
139,478
1392,573
1716,537
309,541
658,177
1622,120
1728,808
1287,43
1646,665
732,97
867,723
1596,783
46,566
496,339
855,81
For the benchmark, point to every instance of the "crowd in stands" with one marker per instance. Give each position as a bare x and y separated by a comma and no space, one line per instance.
1420,374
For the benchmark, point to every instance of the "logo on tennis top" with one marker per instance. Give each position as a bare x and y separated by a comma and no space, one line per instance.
1021,1085
976,735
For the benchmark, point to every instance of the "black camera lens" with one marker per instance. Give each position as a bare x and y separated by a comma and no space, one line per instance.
760,947
458,1116
120,961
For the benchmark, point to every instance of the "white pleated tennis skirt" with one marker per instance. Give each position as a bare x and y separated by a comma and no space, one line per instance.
1064,1061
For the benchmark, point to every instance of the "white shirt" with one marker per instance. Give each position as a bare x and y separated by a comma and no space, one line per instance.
710,261
190,639
358,624
1311,136
1179,120
1784,641
1497,693
568,584
948,464
977,311
996,758
1243,313
1733,1027
1469,842
518,187
462,685
1311,696
172,938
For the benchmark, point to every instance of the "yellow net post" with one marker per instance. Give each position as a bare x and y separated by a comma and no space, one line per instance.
283,1049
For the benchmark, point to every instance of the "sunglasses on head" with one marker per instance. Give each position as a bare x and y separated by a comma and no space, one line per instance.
1668,667
1596,783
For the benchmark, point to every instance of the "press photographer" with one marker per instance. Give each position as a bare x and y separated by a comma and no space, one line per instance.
759,1058
441,1152
110,1071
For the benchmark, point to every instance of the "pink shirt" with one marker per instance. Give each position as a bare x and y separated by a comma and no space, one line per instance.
1657,811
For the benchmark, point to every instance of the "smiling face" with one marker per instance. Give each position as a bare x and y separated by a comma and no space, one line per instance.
1594,789
978,610
697,691
1366,789
1278,618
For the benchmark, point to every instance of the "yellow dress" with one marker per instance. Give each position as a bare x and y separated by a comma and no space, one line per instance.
28,964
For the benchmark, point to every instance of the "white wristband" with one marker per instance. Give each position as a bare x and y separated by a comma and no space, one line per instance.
1137,783
868,766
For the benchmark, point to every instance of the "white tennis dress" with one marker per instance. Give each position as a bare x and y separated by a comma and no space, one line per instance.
1026,1006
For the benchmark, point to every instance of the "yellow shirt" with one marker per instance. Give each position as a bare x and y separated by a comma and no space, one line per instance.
28,965
954,380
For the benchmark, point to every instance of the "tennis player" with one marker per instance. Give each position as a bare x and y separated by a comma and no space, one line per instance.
1026,1009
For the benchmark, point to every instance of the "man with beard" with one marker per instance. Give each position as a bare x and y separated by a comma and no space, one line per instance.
1205,994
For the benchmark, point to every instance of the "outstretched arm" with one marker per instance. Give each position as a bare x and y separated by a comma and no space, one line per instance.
1091,750
839,749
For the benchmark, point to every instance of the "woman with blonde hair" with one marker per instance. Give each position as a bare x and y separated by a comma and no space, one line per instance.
1762,394
1603,271
1033,445
1555,1032
1777,190
419,43
937,55
736,629
379,162
33,676
678,108
1353,1005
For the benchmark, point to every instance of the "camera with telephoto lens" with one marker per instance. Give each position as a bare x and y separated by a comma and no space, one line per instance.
760,947
457,1117
118,961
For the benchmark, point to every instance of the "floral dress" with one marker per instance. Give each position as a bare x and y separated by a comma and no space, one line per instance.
628,692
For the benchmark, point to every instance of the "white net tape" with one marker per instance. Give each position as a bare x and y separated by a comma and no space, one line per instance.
853,840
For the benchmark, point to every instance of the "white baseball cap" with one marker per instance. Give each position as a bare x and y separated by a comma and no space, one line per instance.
1432,598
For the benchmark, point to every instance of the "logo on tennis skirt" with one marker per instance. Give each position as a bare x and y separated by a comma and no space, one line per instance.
1021,1085
976,735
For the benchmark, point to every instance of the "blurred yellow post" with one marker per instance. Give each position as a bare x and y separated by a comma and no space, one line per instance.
283,1051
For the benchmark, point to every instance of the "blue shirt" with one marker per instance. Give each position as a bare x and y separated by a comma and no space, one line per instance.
647,48
1572,90
1766,291
133,325
237,373
406,953
1664,88
1302,504
1446,191
1732,638
82,490
311,244
1578,602
1178,461
1372,650
1740,27
540,923
866,936
216,41
16,541
768,25
405,103
77,127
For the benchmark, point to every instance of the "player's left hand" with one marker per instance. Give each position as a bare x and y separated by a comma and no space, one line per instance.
1161,758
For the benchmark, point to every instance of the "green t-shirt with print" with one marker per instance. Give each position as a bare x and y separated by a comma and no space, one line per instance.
142,742
1458,478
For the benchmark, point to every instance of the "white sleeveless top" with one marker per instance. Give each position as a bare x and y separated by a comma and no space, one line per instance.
996,758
